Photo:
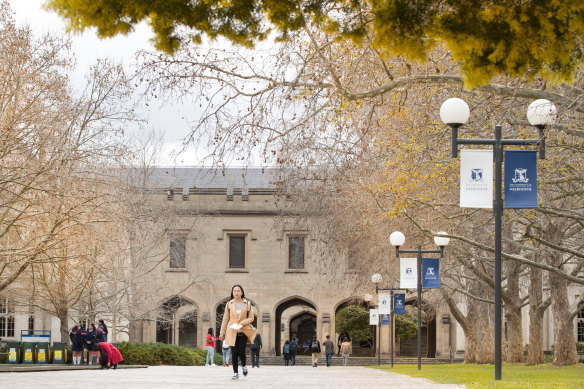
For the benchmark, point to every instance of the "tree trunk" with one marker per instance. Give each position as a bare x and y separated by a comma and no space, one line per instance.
565,346
513,313
63,314
537,308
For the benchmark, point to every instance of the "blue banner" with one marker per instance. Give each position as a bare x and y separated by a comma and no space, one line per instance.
384,319
430,273
521,179
399,304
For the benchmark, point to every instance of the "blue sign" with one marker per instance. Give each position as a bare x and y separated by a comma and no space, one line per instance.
399,303
384,319
520,179
430,273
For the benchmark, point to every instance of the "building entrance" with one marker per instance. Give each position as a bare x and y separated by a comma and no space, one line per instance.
295,318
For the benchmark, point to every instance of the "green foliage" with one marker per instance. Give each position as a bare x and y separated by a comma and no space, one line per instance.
162,354
354,320
406,325
532,37
514,375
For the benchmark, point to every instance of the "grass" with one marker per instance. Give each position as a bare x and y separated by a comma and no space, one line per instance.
483,376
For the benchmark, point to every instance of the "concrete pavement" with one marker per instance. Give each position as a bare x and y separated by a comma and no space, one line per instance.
277,377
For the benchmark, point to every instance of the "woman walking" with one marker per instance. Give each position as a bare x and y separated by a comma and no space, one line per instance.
210,348
346,349
235,328
76,335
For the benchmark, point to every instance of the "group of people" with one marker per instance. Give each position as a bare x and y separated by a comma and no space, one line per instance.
344,345
289,351
93,340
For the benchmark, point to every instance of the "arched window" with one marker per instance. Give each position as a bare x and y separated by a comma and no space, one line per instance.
6,317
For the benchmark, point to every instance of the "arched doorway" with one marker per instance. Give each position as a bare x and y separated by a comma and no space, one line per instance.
409,347
291,308
220,310
364,344
169,320
302,327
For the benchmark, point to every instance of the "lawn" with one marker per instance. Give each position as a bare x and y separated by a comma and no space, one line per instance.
482,376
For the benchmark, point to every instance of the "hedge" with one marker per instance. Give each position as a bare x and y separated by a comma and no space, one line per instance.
163,354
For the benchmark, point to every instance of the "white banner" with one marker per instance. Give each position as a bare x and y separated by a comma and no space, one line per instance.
373,317
476,178
384,303
408,273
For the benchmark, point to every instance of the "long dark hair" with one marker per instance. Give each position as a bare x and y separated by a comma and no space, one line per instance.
102,323
240,287
210,332
92,325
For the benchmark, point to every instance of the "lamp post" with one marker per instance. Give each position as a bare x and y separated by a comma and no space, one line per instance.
376,279
454,112
397,239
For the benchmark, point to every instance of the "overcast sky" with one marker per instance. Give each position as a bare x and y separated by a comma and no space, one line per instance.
122,49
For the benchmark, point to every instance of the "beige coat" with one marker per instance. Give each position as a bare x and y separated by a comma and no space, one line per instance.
245,319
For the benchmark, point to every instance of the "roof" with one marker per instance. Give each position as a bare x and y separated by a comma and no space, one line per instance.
206,178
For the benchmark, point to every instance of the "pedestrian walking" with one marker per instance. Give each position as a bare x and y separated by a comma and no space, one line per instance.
293,350
76,335
210,345
101,325
286,352
339,341
315,350
88,342
236,329
226,351
110,356
329,350
254,350
347,349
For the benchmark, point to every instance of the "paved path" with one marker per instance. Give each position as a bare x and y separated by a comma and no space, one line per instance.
277,377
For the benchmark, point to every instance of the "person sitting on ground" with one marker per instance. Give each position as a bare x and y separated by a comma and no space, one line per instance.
110,356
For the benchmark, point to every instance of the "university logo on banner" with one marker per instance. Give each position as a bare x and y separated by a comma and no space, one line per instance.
399,304
430,273
373,317
476,178
384,303
384,319
520,179
408,273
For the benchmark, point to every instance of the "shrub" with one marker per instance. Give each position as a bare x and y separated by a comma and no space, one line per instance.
162,354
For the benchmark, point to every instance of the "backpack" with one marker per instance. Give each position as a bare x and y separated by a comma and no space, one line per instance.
314,345
345,349
294,347
286,348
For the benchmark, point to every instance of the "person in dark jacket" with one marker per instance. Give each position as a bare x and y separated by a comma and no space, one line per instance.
103,327
329,350
315,350
286,352
76,335
88,341
254,350
293,350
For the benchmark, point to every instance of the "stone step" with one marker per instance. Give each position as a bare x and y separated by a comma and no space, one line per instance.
355,361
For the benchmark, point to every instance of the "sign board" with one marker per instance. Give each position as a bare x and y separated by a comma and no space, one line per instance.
408,272
399,303
430,273
373,317
35,338
384,319
384,303
520,179
476,178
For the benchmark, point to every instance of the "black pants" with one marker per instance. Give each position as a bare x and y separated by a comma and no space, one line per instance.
255,356
238,351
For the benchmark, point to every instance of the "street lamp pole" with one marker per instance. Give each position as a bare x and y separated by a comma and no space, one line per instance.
391,290
397,239
455,113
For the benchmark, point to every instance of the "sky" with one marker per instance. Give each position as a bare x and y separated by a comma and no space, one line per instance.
88,48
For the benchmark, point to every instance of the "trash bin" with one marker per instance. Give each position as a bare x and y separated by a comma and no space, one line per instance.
59,353
43,352
13,352
28,352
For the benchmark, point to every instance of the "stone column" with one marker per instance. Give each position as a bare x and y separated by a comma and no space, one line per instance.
385,340
264,325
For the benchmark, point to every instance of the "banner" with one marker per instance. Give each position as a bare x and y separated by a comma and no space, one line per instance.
430,273
476,178
373,317
399,303
384,319
408,273
520,179
384,301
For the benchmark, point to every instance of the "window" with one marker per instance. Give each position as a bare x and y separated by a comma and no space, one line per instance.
31,325
581,326
177,251
237,251
6,317
296,252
